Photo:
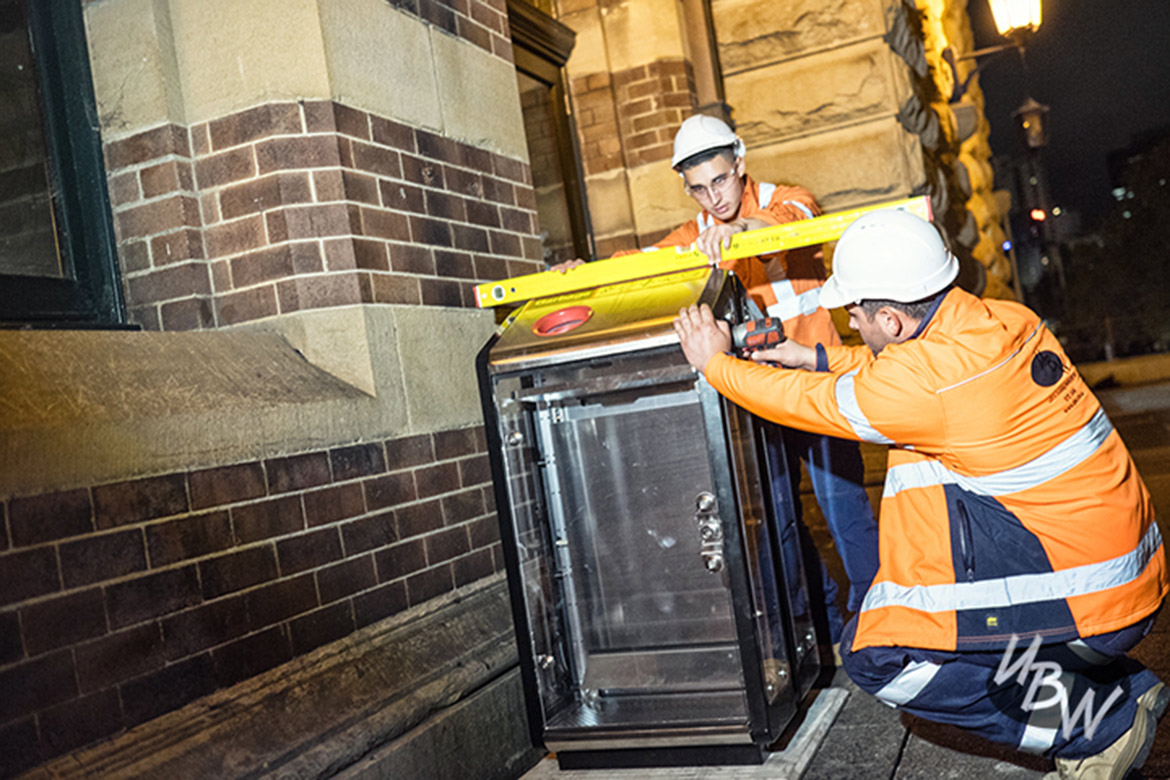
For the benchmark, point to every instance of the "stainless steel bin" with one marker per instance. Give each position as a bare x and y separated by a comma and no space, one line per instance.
660,618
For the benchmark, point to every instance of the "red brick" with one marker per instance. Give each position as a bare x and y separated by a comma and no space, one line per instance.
267,519
35,685
263,265
251,655
377,159
122,503
490,268
166,177
79,722
333,504
189,314
279,154
420,171
118,657
369,533
322,291
472,567
340,254
232,238
390,490
447,545
472,32
378,223
379,603
502,48
400,560
320,627
124,188
176,281
159,216
62,621
440,292
485,532
454,264
134,256
188,537
308,551
360,188
147,145
358,460
329,185
224,168
411,258
419,519
175,247
392,288
403,197
167,689
281,600
429,584
194,630
351,121
221,275
149,596
200,139
253,304
306,257
145,317
316,221
319,116
49,517
392,134
229,573
346,578
102,557
226,485
259,122
484,14
370,255
209,207
264,193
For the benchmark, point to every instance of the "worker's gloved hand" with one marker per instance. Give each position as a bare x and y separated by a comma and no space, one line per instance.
790,354
716,238
701,335
568,265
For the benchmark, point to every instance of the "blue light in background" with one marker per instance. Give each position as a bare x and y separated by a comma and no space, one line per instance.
1007,246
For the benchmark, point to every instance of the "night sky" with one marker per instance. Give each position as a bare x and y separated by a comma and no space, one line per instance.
1102,67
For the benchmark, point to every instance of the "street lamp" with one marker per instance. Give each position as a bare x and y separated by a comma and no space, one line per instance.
1016,20
1032,121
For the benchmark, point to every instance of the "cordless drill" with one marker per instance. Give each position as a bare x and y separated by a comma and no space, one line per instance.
764,333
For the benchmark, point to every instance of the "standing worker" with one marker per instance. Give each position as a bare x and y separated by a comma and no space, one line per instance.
1019,555
709,157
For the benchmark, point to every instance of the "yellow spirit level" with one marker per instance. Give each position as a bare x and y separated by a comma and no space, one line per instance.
671,259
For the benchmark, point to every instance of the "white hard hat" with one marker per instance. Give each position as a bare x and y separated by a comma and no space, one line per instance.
888,255
700,133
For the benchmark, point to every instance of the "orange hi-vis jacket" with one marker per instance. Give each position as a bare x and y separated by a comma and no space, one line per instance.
789,286
1011,505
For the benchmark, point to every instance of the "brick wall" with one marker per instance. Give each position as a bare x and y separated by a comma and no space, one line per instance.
123,601
291,206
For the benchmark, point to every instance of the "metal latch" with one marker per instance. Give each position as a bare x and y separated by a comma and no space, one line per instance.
710,532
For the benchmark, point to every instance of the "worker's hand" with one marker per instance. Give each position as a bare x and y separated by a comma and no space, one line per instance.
716,238
568,265
701,335
790,354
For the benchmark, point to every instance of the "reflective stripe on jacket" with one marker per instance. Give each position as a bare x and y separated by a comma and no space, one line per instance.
1011,505
784,284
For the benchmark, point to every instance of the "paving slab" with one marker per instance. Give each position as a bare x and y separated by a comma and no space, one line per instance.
787,764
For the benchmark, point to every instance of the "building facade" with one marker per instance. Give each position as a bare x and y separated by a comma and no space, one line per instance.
245,424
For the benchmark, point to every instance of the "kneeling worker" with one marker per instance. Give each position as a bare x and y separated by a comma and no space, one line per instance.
1019,555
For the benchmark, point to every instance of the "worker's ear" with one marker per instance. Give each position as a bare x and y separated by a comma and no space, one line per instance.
890,323
739,167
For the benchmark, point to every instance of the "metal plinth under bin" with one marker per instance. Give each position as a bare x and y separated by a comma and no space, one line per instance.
661,607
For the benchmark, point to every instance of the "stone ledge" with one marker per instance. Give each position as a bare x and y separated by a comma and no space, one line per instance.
341,706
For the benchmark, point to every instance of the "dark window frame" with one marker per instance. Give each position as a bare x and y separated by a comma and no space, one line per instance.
541,46
85,230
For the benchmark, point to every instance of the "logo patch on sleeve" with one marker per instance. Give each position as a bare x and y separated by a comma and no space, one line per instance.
1047,368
